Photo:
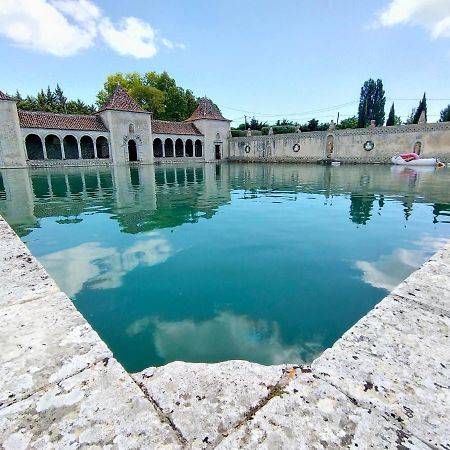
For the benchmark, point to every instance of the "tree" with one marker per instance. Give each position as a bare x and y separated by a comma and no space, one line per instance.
422,107
445,114
157,93
391,118
371,103
350,122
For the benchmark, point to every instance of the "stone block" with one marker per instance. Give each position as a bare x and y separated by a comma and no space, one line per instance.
205,401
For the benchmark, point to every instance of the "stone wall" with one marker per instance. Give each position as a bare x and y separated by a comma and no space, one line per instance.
366,145
11,147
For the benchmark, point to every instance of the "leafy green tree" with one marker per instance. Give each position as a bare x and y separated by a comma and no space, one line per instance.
313,125
422,107
391,117
371,103
445,114
350,122
157,93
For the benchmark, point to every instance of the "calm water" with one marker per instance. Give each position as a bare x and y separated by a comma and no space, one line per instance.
269,263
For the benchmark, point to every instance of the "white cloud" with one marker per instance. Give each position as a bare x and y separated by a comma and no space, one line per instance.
41,26
133,37
66,27
433,15
103,267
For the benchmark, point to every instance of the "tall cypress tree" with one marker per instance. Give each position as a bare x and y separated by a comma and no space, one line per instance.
422,107
371,103
391,117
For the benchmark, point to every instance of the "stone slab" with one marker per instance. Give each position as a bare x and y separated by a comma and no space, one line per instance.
100,407
204,401
44,341
311,414
22,276
397,359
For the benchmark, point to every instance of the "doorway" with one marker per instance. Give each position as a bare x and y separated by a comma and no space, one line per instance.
218,154
132,151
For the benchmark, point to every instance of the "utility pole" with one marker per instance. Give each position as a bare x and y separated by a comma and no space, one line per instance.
337,120
245,117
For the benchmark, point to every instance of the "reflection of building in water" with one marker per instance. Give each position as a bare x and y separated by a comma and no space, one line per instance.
441,212
148,197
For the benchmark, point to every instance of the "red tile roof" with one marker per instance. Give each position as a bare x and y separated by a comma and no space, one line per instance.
120,100
32,119
206,110
3,96
164,127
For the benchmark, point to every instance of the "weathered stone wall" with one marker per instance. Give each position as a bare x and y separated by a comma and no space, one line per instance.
12,153
346,145
215,132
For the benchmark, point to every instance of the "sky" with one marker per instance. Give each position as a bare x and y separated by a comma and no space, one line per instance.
292,59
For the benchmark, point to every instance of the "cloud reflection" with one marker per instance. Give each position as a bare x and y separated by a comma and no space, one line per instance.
390,270
223,337
103,267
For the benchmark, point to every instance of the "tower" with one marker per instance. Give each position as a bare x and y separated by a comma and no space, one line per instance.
216,129
130,128
12,149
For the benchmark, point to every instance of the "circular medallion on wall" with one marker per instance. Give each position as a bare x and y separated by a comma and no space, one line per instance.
296,148
368,145
247,149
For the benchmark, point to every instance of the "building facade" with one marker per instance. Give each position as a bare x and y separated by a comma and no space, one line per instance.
121,132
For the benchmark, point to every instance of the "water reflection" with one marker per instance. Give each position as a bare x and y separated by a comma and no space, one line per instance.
206,262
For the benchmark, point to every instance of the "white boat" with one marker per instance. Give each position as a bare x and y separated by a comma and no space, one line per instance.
411,159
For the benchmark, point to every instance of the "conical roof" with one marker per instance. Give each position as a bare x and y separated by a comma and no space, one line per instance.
206,110
3,96
120,100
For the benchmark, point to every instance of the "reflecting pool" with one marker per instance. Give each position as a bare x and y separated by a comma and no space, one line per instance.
265,262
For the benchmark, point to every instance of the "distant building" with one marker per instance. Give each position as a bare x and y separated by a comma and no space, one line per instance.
119,133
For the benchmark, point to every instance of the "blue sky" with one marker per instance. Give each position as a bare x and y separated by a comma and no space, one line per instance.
272,60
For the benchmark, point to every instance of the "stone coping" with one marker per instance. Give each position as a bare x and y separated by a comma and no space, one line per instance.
384,384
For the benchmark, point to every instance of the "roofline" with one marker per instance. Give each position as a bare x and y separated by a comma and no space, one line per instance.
123,110
207,118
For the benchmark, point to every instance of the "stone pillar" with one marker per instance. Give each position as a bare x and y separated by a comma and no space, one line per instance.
79,148
94,142
44,147
63,155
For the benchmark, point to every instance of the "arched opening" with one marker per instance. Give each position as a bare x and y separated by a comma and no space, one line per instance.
70,147
417,147
34,147
218,149
217,136
330,146
198,148
168,148
189,148
53,147
179,151
157,148
87,147
131,128
132,151
102,147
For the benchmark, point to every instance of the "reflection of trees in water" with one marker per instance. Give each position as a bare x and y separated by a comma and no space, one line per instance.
361,206
441,212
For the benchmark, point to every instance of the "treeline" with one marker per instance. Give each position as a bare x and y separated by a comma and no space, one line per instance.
52,101
371,107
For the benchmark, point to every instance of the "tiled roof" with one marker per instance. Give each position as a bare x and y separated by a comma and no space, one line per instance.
164,127
29,119
206,110
3,96
120,100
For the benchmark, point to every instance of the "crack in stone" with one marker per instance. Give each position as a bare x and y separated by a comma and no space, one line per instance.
47,385
165,417
391,420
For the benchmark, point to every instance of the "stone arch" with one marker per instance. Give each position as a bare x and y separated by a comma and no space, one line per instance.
418,147
157,148
87,147
179,150
70,145
189,148
53,146
198,148
330,145
168,148
35,149
132,151
102,147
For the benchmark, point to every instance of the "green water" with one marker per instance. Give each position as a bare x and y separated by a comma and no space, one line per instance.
268,263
